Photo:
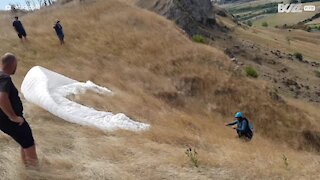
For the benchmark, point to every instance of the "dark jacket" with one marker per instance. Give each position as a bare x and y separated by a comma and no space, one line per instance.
58,28
18,26
243,127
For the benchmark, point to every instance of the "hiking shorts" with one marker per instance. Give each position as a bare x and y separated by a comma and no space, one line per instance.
21,134
61,37
22,34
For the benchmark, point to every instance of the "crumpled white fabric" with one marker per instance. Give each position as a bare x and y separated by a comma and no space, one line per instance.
49,90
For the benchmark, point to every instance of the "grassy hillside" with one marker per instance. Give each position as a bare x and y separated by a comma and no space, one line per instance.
186,91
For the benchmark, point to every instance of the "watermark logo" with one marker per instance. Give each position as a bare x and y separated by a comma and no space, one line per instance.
309,8
295,8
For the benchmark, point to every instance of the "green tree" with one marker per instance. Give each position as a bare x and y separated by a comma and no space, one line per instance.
265,24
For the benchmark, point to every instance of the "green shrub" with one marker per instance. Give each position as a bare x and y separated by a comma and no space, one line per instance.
249,23
265,24
198,38
298,56
251,72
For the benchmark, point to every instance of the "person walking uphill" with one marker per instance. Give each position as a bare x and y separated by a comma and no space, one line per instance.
12,121
19,29
243,128
59,31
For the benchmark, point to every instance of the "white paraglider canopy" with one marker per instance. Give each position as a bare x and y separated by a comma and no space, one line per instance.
49,90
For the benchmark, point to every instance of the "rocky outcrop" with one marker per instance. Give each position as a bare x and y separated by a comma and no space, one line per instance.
188,14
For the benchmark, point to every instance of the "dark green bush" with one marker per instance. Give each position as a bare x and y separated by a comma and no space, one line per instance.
298,56
251,72
198,38
249,23
265,24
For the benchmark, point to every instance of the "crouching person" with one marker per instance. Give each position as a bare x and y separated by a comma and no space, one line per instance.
244,128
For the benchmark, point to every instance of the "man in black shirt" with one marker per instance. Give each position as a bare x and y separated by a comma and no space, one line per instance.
58,28
12,121
19,28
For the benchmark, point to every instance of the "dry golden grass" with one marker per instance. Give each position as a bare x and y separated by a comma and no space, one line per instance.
141,57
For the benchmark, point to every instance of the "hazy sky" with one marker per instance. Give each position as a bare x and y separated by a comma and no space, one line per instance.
4,3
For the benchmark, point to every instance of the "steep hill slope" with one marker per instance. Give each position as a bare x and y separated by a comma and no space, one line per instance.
271,51
186,91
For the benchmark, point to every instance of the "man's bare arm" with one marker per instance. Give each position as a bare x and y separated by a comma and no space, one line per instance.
6,107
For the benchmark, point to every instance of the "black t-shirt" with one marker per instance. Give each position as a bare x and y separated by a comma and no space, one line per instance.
18,26
6,85
58,29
